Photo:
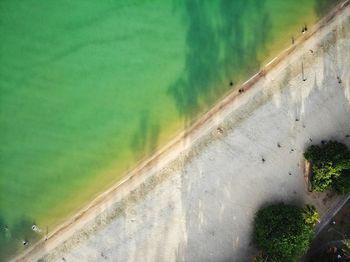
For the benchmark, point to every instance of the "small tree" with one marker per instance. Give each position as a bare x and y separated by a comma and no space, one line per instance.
283,232
330,166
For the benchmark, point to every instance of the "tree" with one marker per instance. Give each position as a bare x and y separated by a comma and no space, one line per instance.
284,232
330,166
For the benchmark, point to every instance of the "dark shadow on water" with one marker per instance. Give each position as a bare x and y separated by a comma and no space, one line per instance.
222,46
322,7
11,237
145,138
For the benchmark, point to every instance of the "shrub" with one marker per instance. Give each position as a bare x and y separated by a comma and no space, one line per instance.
259,258
310,215
342,183
283,232
330,166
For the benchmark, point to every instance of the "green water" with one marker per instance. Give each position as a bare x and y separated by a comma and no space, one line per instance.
88,88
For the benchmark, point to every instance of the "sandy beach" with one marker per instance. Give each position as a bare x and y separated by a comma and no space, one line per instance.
196,198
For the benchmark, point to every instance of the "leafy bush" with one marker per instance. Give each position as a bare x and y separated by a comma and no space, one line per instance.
310,215
342,183
284,232
330,166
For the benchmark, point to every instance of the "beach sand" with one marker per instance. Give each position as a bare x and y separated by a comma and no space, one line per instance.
195,200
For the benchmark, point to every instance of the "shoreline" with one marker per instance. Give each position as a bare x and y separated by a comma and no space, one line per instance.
171,150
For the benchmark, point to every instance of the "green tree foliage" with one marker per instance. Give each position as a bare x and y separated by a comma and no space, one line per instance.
310,215
330,166
283,232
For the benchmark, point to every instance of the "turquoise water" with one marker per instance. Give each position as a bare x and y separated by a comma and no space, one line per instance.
88,88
